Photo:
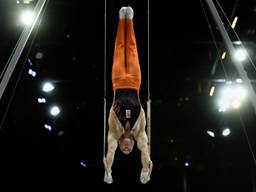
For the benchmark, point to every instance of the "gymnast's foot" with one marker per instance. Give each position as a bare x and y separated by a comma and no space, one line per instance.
129,13
122,13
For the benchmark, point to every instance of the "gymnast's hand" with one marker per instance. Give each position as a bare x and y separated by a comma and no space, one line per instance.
107,176
145,173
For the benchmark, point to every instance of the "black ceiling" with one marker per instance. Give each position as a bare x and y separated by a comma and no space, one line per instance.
184,45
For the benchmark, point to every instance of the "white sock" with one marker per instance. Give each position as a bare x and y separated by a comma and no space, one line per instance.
129,13
122,13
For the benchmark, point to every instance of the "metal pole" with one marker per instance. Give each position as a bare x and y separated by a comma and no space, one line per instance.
23,40
231,50
149,101
105,79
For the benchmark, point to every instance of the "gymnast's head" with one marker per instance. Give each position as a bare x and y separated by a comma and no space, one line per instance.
126,144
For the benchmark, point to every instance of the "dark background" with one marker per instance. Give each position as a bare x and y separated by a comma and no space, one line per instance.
183,51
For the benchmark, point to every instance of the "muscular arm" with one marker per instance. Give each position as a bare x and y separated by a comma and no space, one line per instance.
112,146
142,143
112,140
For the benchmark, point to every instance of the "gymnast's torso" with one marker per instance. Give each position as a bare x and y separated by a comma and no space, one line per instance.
127,108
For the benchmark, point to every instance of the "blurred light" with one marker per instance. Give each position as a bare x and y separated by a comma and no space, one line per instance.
236,104
24,1
239,80
60,133
231,96
39,55
240,54
27,17
47,87
48,127
82,164
223,55
55,110
223,106
229,82
30,62
186,164
234,22
212,91
41,100
237,42
31,72
226,132
211,133
27,1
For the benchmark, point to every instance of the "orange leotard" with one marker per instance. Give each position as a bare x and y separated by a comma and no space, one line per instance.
126,73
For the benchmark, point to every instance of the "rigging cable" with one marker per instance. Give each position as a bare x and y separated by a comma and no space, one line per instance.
105,78
148,87
240,117
15,50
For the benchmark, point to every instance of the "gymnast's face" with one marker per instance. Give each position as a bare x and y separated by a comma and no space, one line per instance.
126,145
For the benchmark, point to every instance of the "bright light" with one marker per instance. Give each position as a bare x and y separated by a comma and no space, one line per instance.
41,100
226,132
239,80
31,72
234,22
240,54
27,1
236,104
211,91
186,164
47,87
24,1
223,105
211,133
55,110
48,127
237,42
27,17
223,55
83,164
239,92
231,97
